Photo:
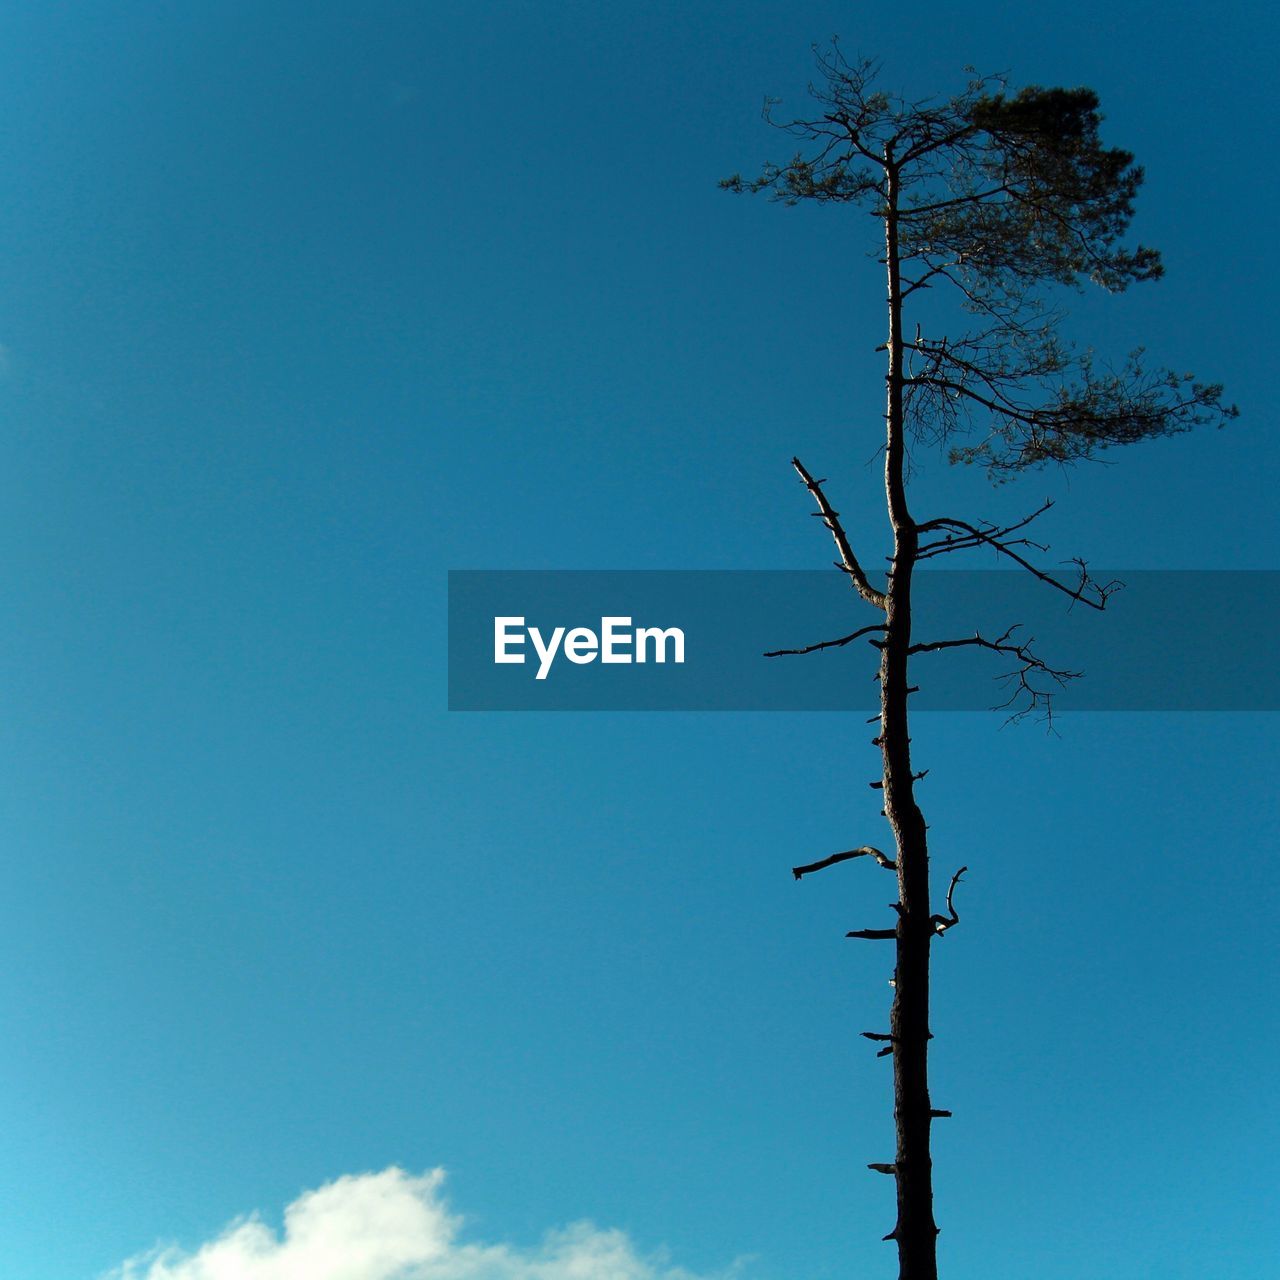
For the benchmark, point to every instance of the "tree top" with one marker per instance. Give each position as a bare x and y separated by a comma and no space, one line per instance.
998,194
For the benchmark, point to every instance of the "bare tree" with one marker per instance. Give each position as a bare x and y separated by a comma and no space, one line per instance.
992,197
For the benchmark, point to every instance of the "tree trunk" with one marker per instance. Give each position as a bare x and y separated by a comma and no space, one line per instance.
915,1232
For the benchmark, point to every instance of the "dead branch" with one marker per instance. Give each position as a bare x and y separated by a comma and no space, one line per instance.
863,851
831,518
965,541
942,923
828,644
1032,664
1087,590
873,935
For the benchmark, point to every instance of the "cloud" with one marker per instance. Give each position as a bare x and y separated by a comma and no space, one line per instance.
392,1226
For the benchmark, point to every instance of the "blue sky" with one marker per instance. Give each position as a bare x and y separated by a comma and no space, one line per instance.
304,305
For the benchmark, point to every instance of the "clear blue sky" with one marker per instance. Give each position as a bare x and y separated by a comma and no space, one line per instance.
303,304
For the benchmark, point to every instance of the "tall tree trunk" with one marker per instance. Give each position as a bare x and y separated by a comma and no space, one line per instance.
915,1232
942,174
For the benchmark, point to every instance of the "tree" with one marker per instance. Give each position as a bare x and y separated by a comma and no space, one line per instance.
991,197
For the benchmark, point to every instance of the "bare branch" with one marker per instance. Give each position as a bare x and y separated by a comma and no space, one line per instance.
991,532
831,518
1086,591
863,851
883,1168
942,923
999,645
827,644
873,935
1031,665
968,544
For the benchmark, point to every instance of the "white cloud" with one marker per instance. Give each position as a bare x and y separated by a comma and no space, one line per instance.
392,1226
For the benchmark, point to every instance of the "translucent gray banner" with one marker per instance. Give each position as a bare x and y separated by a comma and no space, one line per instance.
695,641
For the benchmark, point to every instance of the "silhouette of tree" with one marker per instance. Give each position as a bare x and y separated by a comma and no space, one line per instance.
995,197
